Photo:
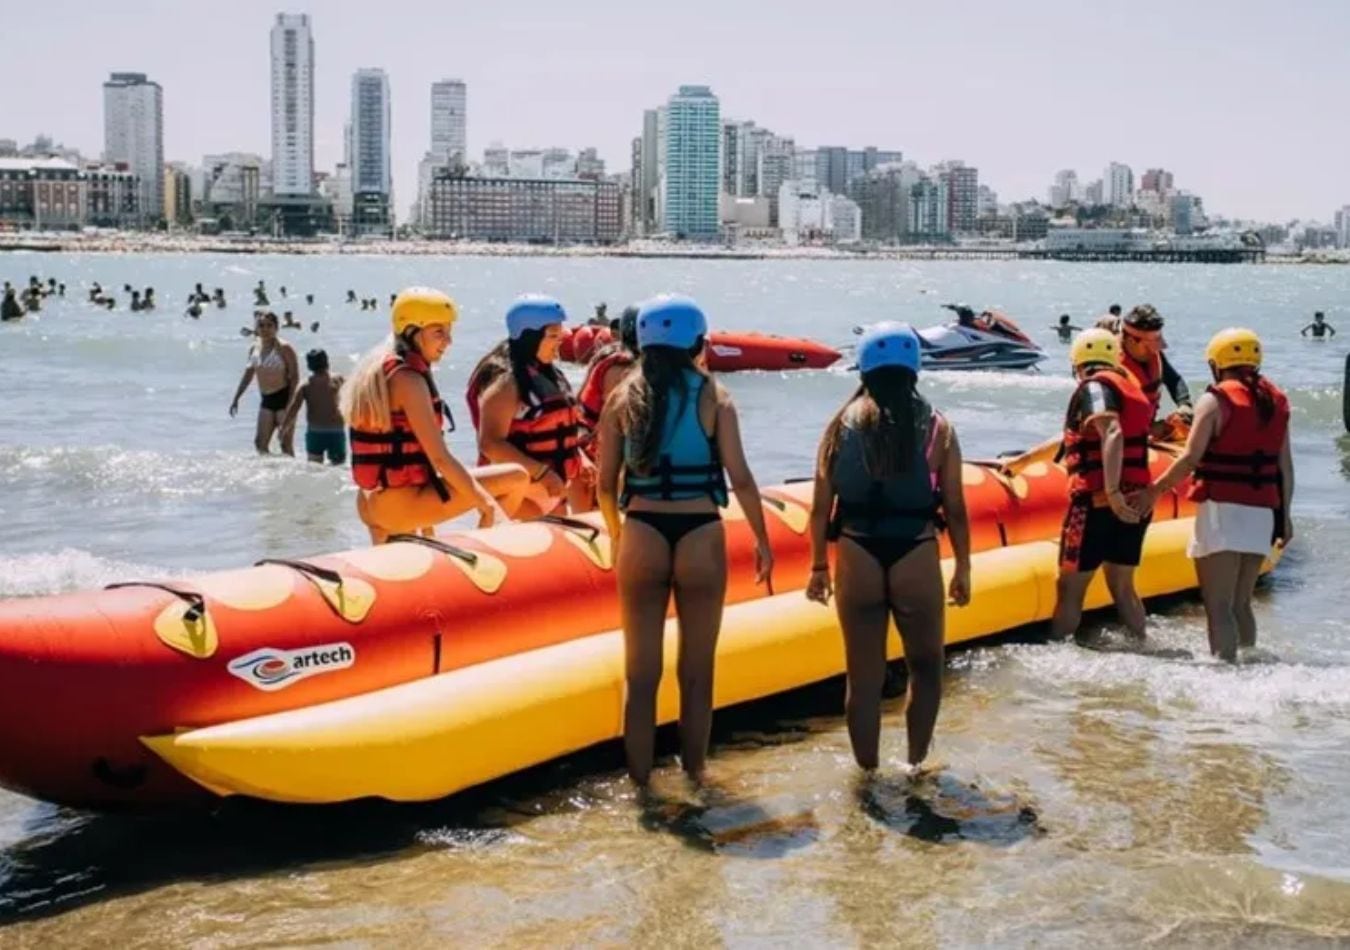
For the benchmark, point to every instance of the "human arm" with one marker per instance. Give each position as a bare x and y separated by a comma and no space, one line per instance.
819,587
954,510
607,475
408,391
244,381
293,407
1113,460
497,409
1203,430
1304,331
1285,530
742,483
1176,385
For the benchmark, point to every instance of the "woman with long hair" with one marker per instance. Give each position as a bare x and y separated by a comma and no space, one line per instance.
272,361
607,369
409,480
673,435
527,415
1244,482
887,465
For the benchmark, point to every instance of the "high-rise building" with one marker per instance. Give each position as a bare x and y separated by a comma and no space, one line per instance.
292,105
987,203
883,196
1066,189
929,210
1156,180
449,125
1118,183
837,167
963,195
693,130
177,194
562,211
1342,220
590,164
1094,194
648,202
133,134
369,137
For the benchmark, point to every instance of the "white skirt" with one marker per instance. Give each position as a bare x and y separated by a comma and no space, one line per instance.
1224,526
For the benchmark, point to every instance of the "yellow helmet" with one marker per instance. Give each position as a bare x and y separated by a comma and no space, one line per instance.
1234,347
417,307
1095,346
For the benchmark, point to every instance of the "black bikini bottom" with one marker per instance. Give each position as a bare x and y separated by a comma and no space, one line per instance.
277,401
887,551
674,526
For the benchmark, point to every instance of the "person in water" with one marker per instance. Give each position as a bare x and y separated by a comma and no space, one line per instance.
272,360
260,295
887,464
527,414
608,367
409,481
325,433
10,308
148,299
1244,483
1065,329
1106,453
1142,346
1319,327
673,435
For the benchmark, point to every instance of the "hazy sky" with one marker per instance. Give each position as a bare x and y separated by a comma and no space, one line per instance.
1246,102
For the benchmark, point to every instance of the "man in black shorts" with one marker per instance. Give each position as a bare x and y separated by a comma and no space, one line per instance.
1106,455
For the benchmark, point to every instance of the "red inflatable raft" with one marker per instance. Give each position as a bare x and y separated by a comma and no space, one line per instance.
727,352
91,681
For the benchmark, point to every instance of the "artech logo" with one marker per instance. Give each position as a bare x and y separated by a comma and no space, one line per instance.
270,669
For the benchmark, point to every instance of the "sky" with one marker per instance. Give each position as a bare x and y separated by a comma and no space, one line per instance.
1245,102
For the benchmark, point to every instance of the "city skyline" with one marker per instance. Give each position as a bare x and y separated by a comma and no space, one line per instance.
1173,89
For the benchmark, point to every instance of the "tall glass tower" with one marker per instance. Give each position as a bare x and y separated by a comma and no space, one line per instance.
693,133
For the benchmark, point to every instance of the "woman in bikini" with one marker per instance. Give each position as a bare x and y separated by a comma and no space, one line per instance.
887,463
673,434
273,362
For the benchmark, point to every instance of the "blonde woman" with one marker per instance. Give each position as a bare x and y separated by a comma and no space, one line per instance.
409,480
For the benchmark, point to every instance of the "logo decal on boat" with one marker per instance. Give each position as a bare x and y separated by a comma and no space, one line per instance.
271,669
721,349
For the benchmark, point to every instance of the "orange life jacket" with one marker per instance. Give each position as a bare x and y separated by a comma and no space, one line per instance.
394,458
592,395
547,426
1083,446
1147,375
1242,463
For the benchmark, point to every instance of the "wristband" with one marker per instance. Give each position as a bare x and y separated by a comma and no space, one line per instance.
815,568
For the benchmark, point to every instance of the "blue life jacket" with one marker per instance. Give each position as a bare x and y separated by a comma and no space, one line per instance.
688,465
902,507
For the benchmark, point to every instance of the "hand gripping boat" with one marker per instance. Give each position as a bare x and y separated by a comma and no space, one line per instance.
727,352
416,669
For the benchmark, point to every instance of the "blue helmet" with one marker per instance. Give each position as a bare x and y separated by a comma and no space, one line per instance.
889,344
533,312
670,320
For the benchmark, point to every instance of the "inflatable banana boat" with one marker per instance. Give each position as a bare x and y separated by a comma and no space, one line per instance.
727,352
422,667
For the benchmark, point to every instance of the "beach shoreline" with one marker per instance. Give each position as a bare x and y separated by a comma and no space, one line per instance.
160,243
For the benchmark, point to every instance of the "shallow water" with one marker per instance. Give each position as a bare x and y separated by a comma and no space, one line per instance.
1089,796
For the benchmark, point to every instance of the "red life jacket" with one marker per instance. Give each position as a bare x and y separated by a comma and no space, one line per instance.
1242,463
395,459
547,426
1083,446
592,396
1147,375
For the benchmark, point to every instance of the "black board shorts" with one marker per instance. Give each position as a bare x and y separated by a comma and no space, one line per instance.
1095,536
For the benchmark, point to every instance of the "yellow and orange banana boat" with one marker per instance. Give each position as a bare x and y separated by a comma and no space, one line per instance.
419,668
